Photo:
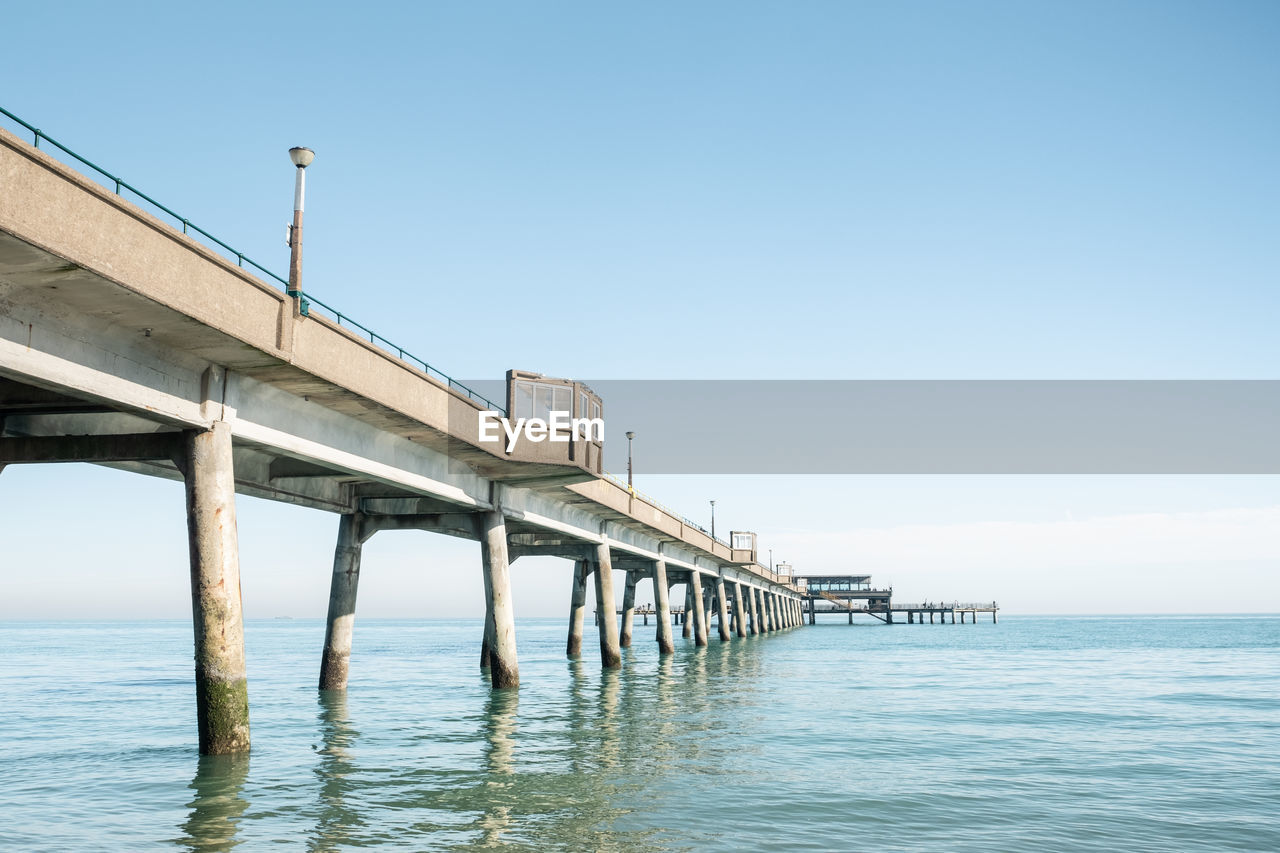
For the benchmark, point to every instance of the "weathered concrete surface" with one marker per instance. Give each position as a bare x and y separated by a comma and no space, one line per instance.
222,693
753,610
739,611
699,609
610,652
686,621
500,620
628,610
722,611
662,597
335,659
577,607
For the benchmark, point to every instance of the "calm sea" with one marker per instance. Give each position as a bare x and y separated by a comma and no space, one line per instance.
1155,733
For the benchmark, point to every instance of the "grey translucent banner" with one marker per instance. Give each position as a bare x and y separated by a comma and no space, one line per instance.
940,427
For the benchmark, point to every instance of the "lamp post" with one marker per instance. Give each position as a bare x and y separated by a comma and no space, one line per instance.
713,519
301,158
630,484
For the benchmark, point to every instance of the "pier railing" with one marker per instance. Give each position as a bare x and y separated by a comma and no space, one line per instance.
942,605
306,300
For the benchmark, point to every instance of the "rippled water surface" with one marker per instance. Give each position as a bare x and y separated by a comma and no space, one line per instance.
1034,734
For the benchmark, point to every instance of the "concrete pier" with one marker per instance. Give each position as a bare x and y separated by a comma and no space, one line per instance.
500,620
686,626
335,659
662,595
577,607
222,692
722,612
739,611
753,608
699,609
610,651
628,610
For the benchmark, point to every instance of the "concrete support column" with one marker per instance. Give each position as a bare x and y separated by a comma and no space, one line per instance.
222,692
661,594
699,609
766,619
500,618
686,623
994,620
753,607
722,613
577,606
610,651
628,610
739,610
335,659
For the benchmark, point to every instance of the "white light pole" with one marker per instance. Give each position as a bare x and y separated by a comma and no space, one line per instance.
713,519
301,158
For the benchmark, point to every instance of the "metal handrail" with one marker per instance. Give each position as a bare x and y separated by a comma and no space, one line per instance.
686,521
306,299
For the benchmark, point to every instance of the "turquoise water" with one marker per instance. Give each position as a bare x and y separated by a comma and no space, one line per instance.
1034,734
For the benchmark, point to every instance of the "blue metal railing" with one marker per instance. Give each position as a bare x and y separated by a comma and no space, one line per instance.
242,260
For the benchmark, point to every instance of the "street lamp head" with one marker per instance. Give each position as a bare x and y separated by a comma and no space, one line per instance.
630,435
301,157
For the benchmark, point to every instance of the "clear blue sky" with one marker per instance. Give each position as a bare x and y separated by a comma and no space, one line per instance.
714,190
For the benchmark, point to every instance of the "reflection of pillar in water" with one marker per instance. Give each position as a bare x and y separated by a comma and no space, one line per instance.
499,731
335,770
216,806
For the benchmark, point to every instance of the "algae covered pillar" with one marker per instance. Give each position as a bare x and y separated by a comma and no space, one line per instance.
610,651
577,606
699,608
222,692
499,620
340,625
662,598
628,610
722,610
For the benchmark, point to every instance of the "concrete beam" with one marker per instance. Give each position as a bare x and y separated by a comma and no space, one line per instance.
133,447
464,525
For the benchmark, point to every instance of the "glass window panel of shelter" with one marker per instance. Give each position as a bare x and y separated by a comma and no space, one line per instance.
524,399
543,395
562,399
